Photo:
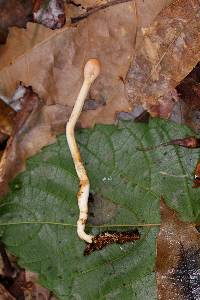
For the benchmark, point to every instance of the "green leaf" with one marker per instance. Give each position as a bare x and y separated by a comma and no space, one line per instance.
38,216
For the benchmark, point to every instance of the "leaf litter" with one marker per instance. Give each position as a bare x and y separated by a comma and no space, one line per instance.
95,94
57,78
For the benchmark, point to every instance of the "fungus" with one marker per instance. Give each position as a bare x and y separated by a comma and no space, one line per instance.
91,71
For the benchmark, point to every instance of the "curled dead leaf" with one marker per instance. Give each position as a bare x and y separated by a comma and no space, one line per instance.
169,49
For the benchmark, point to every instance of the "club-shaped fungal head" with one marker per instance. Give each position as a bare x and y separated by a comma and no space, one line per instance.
91,70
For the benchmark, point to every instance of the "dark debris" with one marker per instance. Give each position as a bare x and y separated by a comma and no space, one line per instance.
49,13
111,237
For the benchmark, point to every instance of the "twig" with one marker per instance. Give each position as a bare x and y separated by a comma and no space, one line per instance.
91,71
92,10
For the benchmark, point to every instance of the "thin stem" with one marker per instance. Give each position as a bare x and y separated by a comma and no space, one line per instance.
74,225
89,225
92,10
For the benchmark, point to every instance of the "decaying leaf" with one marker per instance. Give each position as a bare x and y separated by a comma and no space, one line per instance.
14,13
49,13
196,181
4,294
188,108
35,126
108,35
170,48
111,237
36,290
178,258
18,283
6,120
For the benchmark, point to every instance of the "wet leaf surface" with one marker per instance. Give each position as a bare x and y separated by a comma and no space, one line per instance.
38,216
178,258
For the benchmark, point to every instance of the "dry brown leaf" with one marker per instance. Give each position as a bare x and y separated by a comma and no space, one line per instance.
50,13
7,115
37,292
13,13
18,283
170,48
188,107
178,258
36,125
4,294
52,62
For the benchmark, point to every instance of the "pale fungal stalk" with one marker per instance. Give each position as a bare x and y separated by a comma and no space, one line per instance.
91,71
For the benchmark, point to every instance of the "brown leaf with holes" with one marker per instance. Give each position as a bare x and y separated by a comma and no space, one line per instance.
168,51
178,258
